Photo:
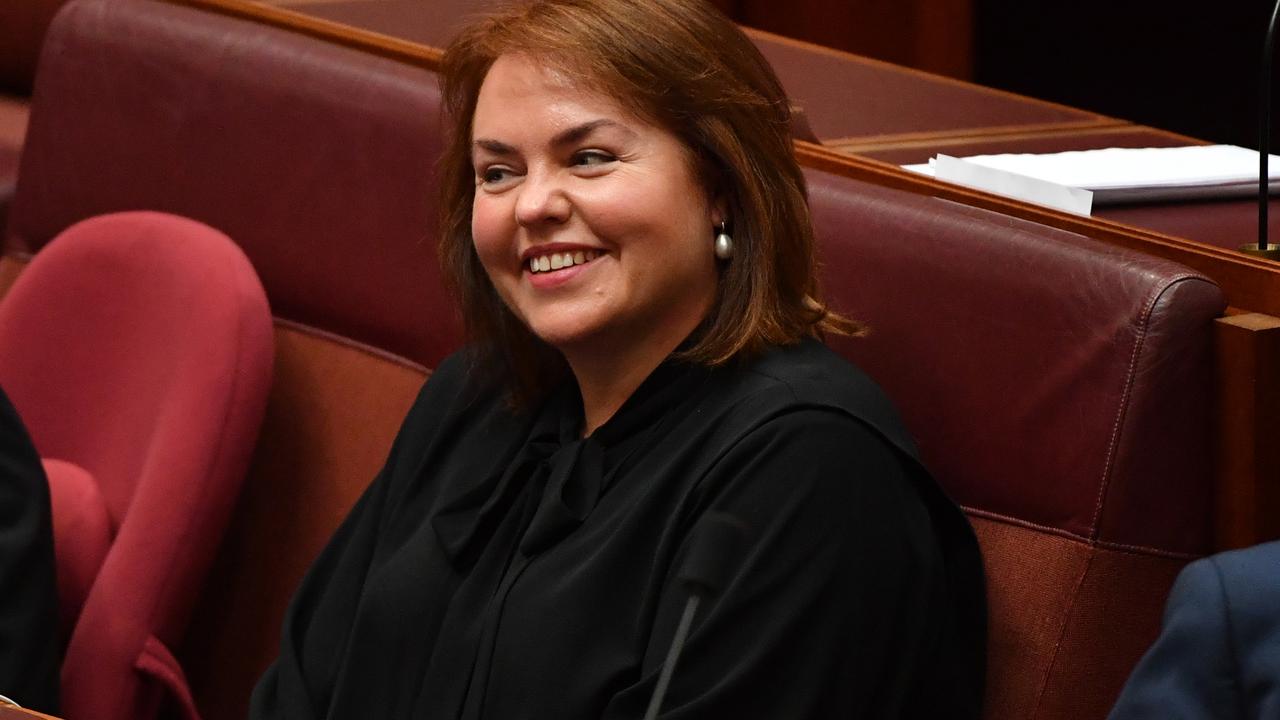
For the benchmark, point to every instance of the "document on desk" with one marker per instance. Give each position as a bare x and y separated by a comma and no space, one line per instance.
1117,175
1012,184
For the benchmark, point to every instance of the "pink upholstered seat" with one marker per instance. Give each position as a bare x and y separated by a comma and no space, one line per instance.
82,535
137,347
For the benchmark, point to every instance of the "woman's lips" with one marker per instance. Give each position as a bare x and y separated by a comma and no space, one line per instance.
555,261
549,269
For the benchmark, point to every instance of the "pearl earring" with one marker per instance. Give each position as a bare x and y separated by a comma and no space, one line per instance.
724,243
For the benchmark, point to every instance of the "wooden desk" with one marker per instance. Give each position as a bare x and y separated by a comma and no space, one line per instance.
9,712
1225,223
845,97
906,149
854,99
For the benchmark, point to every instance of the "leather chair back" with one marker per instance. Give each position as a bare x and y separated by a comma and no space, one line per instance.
1060,389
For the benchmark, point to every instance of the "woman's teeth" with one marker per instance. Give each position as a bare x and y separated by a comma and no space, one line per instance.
557,261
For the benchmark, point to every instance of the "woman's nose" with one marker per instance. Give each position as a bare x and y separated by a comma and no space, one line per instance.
542,200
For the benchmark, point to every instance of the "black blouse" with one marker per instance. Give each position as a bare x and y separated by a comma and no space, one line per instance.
501,566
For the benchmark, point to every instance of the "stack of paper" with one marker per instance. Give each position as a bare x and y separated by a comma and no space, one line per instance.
1136,174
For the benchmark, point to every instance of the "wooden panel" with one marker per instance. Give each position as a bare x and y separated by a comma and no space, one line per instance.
904,149
931,35
9,712
847,96
1225,223
1248,350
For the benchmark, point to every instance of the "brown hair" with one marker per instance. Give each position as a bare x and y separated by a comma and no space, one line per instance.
685,67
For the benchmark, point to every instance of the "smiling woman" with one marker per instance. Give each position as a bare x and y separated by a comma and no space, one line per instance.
627,234
563,171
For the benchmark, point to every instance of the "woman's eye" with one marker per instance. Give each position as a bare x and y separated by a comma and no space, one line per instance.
494,175
590,158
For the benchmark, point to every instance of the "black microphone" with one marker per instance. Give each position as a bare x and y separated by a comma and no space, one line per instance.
713,555
1264,134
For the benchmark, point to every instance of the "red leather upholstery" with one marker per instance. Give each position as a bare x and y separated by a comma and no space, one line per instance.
138,347
82,534
315,158
1060,389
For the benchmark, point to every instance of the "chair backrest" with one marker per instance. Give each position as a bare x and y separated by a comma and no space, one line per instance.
1060,389
317,159
138,347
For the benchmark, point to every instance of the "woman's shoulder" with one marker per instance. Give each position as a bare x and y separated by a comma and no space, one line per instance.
452,407
810,376
452,387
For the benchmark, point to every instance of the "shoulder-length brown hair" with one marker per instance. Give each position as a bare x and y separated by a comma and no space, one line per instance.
685,67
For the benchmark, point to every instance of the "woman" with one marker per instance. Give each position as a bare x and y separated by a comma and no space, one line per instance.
628,235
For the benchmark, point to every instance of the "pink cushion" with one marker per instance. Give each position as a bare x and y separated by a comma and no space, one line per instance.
82,531
138,346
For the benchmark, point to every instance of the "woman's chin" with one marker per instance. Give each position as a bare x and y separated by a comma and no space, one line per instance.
570,340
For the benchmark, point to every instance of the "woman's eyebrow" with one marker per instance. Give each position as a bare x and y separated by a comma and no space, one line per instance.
578,132
496,147
568,136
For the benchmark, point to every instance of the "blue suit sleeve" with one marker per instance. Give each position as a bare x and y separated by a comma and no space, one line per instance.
1191,670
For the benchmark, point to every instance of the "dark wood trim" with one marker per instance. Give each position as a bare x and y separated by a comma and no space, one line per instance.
1012,133
376,43
977,132
1248,455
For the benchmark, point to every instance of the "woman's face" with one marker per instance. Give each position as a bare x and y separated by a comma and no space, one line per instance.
589,221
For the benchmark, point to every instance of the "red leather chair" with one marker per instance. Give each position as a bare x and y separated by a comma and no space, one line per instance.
137,347
1061,391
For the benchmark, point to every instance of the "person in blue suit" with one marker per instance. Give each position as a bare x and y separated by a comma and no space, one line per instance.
1218,654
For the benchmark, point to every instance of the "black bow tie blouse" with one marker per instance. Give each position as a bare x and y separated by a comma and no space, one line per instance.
503,567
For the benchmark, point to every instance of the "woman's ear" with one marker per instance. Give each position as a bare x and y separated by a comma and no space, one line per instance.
719,210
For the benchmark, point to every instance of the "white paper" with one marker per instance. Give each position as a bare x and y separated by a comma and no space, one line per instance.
1014,185
1133,174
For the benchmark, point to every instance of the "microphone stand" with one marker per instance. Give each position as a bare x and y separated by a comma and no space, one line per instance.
714,553
673,654
1262,247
